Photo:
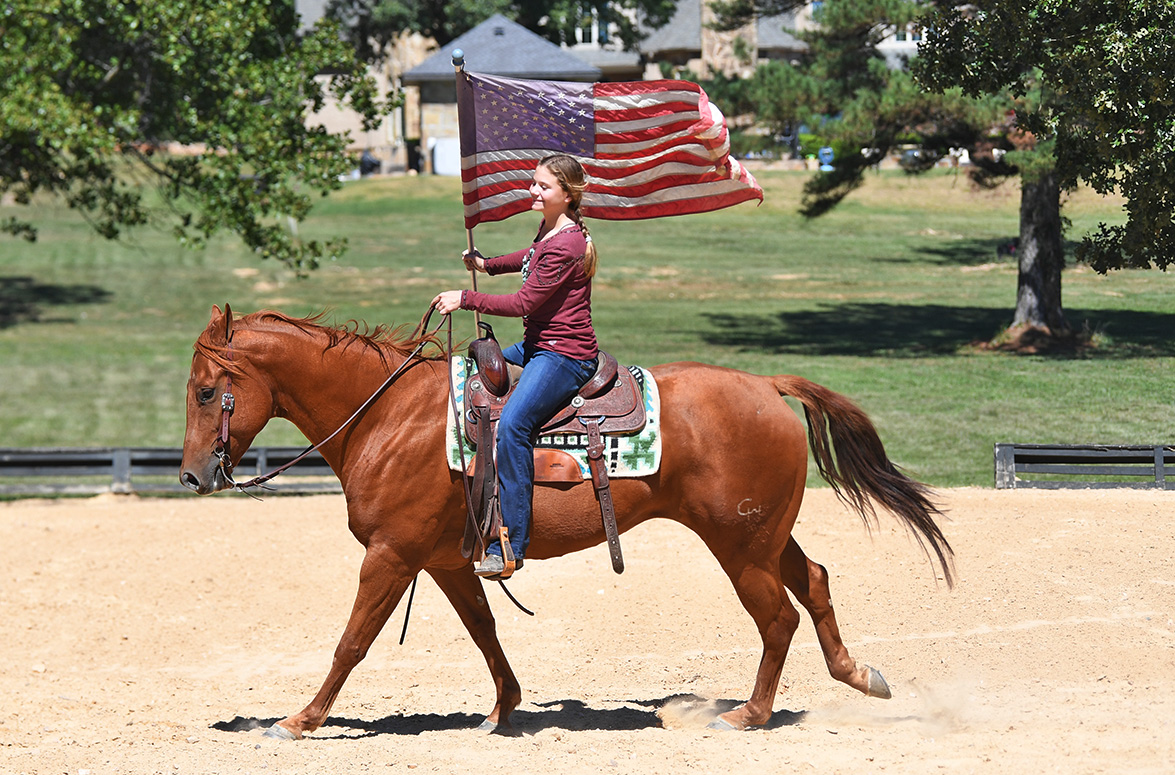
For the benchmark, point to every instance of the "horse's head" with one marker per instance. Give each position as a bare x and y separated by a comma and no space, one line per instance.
227,406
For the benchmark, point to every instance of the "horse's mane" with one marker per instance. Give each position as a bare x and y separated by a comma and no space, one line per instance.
382,339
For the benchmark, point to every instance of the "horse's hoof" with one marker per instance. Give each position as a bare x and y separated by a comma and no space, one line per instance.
721,725
505,730
278,732
877,685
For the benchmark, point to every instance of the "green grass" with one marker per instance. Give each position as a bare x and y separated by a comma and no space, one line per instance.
879,300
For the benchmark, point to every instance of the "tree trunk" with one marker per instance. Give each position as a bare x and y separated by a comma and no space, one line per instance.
1042,256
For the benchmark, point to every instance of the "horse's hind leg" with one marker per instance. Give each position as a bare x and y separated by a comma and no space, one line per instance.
762,593
808,581
467,596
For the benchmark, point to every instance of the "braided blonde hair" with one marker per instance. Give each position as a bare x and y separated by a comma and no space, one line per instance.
572,178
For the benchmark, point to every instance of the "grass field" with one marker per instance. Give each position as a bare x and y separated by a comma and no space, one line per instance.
881,300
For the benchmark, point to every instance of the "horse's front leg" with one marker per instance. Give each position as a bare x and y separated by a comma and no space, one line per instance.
465,592
383,578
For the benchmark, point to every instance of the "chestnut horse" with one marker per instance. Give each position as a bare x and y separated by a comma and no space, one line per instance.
733,466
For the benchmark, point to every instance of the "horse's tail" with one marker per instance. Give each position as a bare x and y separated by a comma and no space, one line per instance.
855,464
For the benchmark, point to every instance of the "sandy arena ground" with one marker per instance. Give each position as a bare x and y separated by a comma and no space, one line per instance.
158,636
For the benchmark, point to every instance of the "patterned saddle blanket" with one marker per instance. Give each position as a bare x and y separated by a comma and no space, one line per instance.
561,453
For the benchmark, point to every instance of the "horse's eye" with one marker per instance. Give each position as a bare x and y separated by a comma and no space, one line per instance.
205,394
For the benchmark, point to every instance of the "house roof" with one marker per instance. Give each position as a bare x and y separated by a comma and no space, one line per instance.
611,61
684,32
775,33
499,46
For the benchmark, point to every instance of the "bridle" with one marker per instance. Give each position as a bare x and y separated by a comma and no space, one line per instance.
221,449
228,403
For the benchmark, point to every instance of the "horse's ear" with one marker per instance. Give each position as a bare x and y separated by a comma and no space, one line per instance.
222,321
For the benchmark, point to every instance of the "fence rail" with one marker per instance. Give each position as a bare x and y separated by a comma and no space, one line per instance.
57,470
1072,465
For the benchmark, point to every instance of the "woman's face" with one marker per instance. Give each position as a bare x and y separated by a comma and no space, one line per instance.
548,196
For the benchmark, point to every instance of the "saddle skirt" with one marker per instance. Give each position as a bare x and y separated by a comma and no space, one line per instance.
629,421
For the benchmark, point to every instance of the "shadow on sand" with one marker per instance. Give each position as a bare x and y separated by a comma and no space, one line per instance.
569,715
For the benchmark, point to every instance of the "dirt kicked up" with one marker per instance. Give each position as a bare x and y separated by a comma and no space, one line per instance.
159,636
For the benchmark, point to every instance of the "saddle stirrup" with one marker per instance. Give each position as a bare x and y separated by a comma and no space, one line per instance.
507,554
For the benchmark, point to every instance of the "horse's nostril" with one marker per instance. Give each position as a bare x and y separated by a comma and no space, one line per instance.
189,480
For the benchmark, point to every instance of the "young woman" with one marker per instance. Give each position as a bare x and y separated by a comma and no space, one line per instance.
558,350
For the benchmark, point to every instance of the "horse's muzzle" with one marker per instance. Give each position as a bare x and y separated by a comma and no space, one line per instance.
210,480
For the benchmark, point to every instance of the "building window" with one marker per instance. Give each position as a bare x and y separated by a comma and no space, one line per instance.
594,30
911,33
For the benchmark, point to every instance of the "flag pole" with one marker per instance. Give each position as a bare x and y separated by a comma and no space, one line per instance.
458,66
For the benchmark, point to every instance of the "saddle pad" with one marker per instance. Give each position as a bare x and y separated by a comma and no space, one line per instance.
629,455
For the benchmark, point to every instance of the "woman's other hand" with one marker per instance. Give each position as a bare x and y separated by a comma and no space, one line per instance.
447,301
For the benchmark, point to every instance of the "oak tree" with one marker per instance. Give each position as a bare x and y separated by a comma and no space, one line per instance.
190,112
1094,98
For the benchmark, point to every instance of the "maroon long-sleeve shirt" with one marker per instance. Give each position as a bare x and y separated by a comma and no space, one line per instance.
555,300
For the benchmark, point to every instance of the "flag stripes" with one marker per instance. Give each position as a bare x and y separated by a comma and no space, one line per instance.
650,148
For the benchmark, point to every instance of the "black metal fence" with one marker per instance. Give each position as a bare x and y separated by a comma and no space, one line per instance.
93,470
1057,466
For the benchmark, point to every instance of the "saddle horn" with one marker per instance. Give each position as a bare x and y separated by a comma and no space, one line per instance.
487,354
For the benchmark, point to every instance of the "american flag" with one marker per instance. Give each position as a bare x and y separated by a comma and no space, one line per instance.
650,148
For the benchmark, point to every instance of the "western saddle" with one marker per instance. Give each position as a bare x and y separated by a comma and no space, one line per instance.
611,402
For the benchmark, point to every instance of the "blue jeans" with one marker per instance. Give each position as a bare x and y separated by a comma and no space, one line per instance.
548,382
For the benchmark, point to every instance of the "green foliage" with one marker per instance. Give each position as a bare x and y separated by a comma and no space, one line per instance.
732,14
374,24
95,88
1096,77
784,95
845,93
843,49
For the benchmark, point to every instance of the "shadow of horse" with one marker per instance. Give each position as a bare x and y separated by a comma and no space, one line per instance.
568,715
